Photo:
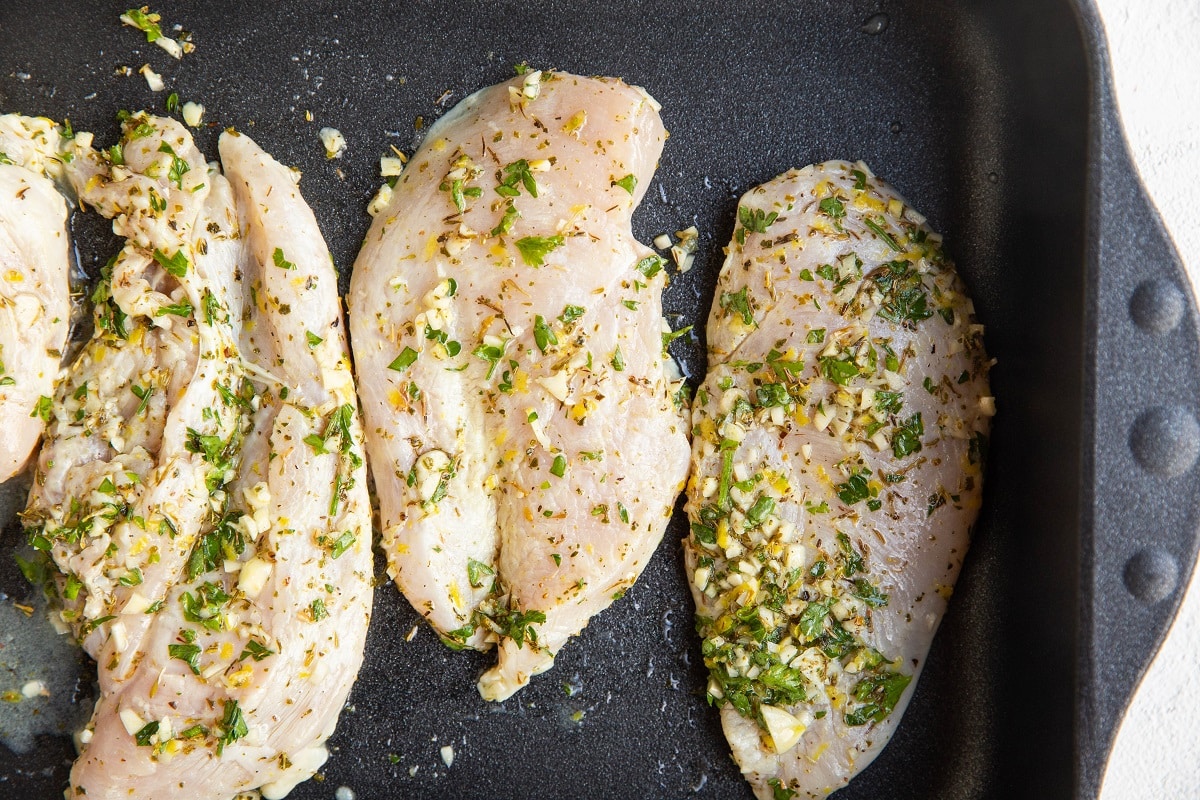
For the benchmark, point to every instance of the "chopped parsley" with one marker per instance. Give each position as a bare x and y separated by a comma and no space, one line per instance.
907,437
178,168
780,790
204,607
832,207
878,695
852,559
491,354
188,654
146,733
506,222
233,726
518,625
534,249
754,220
650,265
42,408
256,651
406,359
342,544
840,371
476,570
516,173
627,183
543,336
144,21
175,265
854,489
181,309
667,338
618,360
738,303
317,610
280,260
869,593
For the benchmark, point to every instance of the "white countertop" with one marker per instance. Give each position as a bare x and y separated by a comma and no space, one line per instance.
1156,72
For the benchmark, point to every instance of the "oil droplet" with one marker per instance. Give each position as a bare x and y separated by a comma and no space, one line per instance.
993,177
875,24
896,127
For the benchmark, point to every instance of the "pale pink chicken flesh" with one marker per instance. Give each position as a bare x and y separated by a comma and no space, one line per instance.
526,443
202,490
838,451
35,304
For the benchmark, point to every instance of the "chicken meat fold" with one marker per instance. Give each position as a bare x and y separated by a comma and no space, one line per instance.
526,442
202,491
35,304
837,471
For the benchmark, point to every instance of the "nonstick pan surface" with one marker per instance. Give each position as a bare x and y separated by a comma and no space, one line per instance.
977,111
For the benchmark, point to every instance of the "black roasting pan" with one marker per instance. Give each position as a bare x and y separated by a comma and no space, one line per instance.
994,117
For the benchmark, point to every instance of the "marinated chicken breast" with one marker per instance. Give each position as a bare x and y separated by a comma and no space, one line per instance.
202,490
35,305
525,442
837,471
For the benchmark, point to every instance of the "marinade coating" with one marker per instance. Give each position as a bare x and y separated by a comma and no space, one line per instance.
837,470
526,443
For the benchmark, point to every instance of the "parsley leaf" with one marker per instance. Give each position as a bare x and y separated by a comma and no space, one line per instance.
42,408
869,593
543,337
280,261
832,207
143,736
854,489
476,570
188,654
233,726
570,314
907,438
175,265
511,175
838,370
506,222
879,694
756,220
738,302
406,359
650,265
534,249
627,183
181,309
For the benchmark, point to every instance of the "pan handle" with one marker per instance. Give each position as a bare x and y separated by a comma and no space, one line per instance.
1141,432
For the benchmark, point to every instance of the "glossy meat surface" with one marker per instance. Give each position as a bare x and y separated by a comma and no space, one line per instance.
35,306
202,491
526,443
838,449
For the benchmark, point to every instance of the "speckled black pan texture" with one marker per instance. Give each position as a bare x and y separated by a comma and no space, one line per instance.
993,117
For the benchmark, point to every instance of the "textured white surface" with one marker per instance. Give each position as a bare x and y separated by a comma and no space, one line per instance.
1156,69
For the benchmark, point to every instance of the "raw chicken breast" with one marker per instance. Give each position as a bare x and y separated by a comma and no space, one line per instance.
837,471
526,444
202,490
35,305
